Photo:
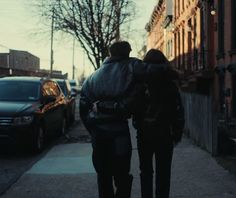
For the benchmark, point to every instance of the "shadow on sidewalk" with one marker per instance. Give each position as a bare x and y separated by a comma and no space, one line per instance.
76,134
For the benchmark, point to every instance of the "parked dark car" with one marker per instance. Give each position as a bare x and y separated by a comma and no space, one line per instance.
74,86
32,109
70,99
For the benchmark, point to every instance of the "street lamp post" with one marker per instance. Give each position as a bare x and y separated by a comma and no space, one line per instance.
73,60
51,50
117,11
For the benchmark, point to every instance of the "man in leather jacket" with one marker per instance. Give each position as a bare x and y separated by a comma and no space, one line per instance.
115,80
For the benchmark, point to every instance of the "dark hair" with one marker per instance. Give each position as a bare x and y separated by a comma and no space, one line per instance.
155,56
120,48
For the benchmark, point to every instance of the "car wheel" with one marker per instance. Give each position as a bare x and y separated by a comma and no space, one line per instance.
38,140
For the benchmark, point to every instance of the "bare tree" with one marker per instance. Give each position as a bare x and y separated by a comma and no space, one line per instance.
94,23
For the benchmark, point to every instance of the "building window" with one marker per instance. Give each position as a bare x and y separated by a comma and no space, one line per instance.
175,14
221,17
189,63
175,50
233,25
202,35
183,51
179,53
195,47
178,8
222,92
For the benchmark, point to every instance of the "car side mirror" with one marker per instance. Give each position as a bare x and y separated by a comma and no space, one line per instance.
48,99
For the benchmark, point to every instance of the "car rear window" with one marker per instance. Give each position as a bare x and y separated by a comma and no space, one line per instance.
73,83
19,91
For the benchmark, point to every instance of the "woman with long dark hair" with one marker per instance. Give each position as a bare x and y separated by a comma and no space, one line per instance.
159,127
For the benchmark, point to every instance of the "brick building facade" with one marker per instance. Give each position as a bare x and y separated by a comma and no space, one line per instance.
225,54
154,27
202,44
160,28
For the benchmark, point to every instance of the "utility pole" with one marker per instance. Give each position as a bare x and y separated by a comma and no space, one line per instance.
117,10
73,60
51,50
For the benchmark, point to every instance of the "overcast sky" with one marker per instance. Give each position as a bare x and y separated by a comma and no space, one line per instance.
19,30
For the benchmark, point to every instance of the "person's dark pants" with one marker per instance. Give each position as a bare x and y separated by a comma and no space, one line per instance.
111,160
155,142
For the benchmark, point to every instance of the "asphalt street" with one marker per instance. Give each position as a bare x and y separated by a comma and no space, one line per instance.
66,171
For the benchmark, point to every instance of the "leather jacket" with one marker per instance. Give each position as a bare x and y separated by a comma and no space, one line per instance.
114,81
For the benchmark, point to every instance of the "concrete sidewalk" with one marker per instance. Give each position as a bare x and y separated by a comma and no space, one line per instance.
67,172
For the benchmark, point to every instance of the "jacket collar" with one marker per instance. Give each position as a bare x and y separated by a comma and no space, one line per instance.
113,59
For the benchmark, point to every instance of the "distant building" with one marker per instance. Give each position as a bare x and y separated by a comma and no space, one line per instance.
142,52
20,63
55,73
154,27
21,60
160,29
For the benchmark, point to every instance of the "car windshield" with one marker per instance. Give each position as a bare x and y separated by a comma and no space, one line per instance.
19,91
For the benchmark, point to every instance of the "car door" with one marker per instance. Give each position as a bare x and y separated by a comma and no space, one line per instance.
53,111
71,102
60,105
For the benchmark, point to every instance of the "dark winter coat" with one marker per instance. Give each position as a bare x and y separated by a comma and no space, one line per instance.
114,81
163,107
